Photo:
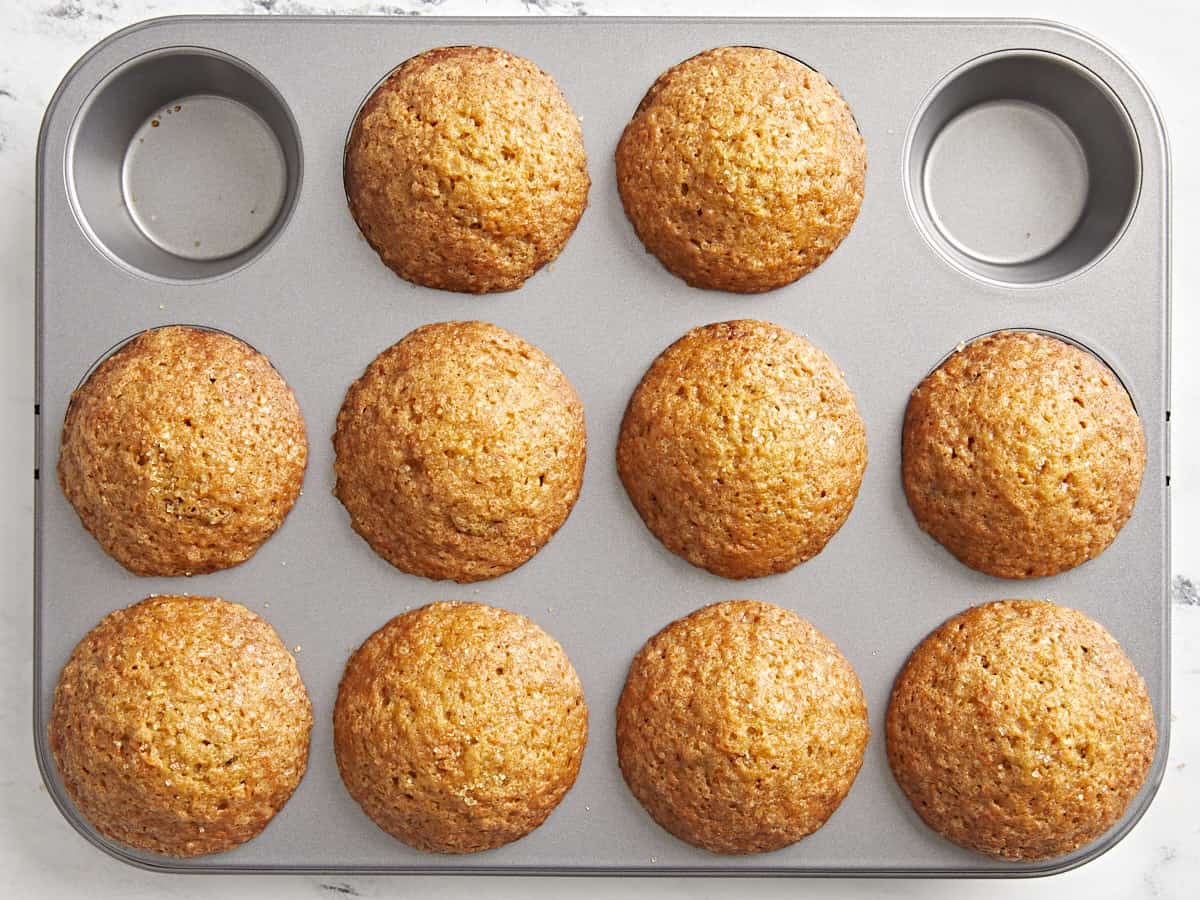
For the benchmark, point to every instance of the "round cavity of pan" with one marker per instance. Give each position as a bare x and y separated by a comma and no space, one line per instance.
183,164
1022,168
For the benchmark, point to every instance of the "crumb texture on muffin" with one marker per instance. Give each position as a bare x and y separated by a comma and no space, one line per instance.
741,728
1022,455
466,171
459,727
742,448
460,451
1020,729
180,725
182,452
742,169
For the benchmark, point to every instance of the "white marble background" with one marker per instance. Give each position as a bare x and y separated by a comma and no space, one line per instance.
40,855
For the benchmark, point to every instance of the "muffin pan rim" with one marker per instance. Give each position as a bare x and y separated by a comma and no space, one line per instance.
705,308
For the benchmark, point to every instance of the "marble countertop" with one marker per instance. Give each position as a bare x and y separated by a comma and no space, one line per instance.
40,855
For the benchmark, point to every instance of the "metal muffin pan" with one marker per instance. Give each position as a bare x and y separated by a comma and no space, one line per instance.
1018,177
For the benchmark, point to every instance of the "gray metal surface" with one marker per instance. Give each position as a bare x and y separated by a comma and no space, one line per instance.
886,306
1019,162
204,178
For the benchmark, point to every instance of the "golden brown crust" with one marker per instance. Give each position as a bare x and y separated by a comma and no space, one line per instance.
459,727
460,451
1020,729
183,452
742,169
741,727
466,170
742,448
180,725
1022,455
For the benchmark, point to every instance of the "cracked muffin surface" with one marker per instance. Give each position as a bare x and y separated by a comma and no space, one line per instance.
459,727
1022,455
182,452
1020,729
180,725
459,452
741,728
466,171
742,448
742,169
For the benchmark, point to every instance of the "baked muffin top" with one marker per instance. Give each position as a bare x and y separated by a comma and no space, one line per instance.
460,451
466,170
741,727
1020,729
459,727
180,725
742,448
182,452
742,169
1022,455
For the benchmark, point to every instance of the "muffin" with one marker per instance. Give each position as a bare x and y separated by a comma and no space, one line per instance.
1022,455
180,725
459,452
459,727
742,449
742,169
1020,729
741,727
465,170
182,452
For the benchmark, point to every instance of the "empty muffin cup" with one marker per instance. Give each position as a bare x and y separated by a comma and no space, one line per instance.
1022,168
183,164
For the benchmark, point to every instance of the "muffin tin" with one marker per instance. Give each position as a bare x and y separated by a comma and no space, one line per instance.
1018,177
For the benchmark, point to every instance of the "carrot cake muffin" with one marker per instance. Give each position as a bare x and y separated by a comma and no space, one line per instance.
459,452
459,727
1022,455
741,727
742,169
180,725
1020,729
742,448
182,452
465,170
